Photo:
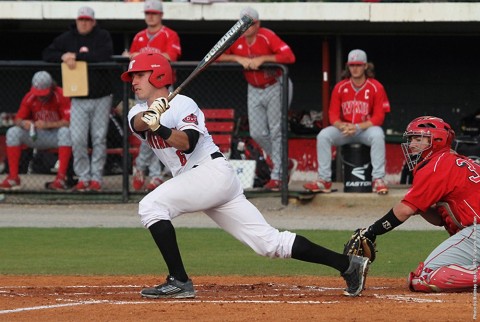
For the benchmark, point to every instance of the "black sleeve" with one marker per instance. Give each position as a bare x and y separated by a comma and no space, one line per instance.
193,136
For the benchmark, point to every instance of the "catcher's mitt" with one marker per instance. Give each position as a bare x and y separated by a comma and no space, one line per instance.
360,245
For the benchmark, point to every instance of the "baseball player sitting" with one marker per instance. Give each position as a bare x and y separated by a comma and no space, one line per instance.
42,122
203,180
445,192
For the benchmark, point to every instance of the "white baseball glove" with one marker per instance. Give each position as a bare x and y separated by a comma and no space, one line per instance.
152,119
160,105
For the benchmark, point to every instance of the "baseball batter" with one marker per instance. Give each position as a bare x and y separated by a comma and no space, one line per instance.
203,180
156,38
446,192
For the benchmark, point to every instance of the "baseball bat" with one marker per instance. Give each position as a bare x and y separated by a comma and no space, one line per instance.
225,42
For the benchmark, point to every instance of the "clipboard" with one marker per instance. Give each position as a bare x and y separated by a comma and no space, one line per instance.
75,81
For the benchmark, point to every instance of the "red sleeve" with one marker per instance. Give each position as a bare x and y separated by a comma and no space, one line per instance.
283,52
135,47
173,48
334,112
24,111
386,103
429,185
378,114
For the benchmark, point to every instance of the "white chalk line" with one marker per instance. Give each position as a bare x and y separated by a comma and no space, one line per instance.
398,298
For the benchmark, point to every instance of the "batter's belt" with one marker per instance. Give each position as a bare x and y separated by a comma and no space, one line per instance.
214,156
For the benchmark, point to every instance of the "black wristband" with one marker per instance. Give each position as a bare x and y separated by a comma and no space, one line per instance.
164,132
384,224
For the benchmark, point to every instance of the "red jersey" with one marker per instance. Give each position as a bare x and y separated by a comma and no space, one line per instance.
266,43
353,105
164,41
451,178
55,109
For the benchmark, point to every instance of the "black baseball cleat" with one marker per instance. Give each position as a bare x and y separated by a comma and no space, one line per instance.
356,275
172,288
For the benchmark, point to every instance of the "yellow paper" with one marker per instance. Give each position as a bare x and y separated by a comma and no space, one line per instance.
75,81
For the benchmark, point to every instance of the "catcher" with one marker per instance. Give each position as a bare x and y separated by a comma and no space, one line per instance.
445,192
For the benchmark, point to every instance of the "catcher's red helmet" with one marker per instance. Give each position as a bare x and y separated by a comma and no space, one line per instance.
439,132
161,70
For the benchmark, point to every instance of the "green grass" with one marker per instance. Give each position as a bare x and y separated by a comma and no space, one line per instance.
131,251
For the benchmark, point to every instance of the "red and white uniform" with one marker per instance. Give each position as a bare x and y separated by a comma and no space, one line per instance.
357,105
266,43
201,183
55,109
447,177
165,41
185,115
264,92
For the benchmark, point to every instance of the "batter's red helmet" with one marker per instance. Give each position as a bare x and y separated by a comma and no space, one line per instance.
161,70
439,132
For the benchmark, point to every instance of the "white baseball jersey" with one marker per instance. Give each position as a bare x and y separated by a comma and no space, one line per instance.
212,187
183,114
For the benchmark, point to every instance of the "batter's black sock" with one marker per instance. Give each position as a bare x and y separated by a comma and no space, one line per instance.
306,251
164,235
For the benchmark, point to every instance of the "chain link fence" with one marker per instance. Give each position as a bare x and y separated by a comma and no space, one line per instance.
222,86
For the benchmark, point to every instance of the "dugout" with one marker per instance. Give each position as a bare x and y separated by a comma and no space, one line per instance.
422,51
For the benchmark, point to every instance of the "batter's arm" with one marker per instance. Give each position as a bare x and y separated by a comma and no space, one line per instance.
179,140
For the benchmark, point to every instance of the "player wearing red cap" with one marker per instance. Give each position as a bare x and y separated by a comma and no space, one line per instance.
356,113
42,122
446,192
156,38
203,180
260,45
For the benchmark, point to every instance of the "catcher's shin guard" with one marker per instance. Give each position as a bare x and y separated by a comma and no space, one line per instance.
451,278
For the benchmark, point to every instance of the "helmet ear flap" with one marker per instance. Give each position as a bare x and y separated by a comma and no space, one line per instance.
159,79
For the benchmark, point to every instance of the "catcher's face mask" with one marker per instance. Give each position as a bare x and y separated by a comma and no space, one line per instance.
415,147
425,135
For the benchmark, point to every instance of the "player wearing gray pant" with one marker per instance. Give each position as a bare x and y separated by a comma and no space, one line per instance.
90,117
372,136
41,122
86,41
356,113
256,46
445,192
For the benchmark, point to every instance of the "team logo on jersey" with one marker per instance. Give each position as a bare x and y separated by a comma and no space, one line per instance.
192,118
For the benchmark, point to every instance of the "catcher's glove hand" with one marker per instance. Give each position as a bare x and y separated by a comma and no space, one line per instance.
360,245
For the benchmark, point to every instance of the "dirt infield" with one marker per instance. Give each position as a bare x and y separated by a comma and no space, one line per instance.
232,298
